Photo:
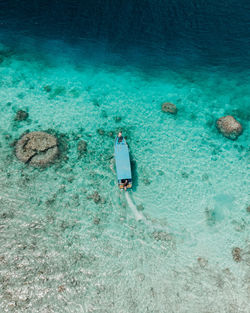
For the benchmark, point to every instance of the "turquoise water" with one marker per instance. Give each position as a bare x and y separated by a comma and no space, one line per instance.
62,252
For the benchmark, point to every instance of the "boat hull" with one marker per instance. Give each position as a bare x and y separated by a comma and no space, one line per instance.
122,162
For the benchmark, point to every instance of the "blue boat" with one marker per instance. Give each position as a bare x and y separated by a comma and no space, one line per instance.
122,162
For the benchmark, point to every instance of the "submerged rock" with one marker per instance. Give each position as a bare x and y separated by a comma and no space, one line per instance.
184,174
37,148
236,252
140,207
162,236
101,131
57,91
47,88
202,262
95,196
205,177
96,220
210,216
229,127
169,107
81,147
61,288
117,119
75,93
7,136
111,134
21,115
21,95
104,114
51,201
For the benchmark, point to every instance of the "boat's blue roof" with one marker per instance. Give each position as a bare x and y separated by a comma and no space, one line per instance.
123,169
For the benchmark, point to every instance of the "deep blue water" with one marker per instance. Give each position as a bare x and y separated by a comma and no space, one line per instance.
203,32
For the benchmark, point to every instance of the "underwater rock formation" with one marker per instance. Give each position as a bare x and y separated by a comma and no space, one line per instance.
210,216
184,174
21,115
37,148
162,236
111,134
81,148
95,196
96,220
146,181
236,252
140,207
61,288
229,127
169,107
47,88
117,119
101,131
202,262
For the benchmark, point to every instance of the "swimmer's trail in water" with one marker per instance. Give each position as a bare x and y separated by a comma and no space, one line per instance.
138,216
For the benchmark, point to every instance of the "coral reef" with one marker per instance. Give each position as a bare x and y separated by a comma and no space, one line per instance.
236,252
117,119
101,131
61,288
96,220
202,262
140,207
57,91
95,196
21,115
184,174
162,236
169,107
37,148
63,142
111,134
210,216
47,88
81,148
229,127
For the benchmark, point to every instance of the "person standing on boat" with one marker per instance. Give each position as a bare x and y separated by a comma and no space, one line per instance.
120,137
125,184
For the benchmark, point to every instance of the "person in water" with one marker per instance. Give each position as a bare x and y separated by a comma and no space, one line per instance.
120,137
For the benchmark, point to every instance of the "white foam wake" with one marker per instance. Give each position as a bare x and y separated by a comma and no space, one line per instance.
138,215
111,165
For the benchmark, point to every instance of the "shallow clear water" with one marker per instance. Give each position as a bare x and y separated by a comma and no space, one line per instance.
62,252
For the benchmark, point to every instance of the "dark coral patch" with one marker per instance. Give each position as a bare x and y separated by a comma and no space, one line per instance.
21,115
47,88
81,148
236,252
